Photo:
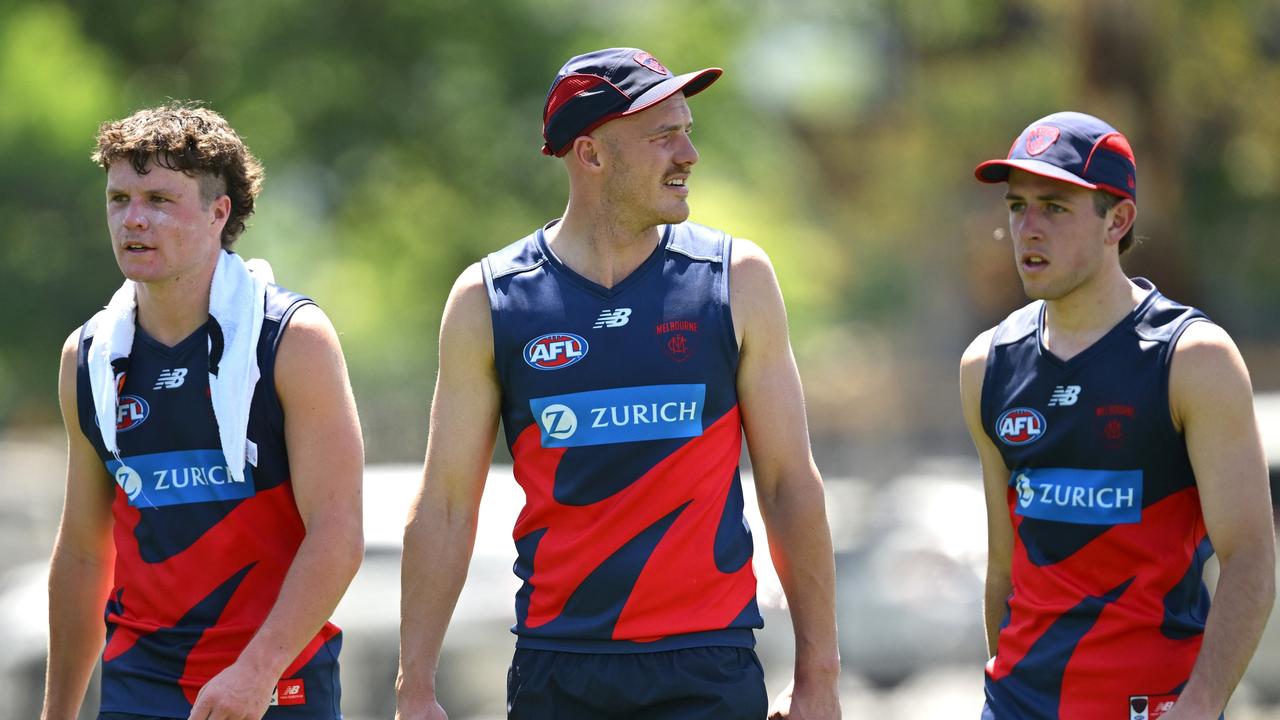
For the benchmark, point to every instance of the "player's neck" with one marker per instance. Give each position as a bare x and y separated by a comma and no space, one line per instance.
599,246
171,310
1080,318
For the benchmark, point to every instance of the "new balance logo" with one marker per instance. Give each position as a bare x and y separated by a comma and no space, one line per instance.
1064,395
170,379
613,318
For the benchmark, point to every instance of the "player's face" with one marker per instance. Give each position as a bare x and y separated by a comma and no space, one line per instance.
1059,241
649,158
161,228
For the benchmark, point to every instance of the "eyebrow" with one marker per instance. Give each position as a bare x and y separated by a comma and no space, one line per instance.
669,128
1047,197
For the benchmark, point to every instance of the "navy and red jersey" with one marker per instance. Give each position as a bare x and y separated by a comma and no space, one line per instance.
200,557
1108,607
620,410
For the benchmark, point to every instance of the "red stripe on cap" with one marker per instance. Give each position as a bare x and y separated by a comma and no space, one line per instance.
1116,143
566,89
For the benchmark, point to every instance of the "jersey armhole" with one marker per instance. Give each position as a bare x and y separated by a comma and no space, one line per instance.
726,302
1166,367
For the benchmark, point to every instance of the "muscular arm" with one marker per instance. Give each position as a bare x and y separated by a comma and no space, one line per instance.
788,485
995,479
1212,402
80,571
441,529
326,467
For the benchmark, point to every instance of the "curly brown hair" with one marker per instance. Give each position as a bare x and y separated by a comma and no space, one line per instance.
193,140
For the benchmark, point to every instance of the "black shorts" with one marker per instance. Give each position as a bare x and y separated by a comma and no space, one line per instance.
715,683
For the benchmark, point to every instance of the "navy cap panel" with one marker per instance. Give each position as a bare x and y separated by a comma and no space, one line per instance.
1073,147
629,72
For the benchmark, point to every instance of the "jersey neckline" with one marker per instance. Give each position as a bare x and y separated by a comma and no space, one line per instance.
1126,322
591,286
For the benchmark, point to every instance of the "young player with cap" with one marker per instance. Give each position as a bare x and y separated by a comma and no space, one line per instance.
625,351
1119,451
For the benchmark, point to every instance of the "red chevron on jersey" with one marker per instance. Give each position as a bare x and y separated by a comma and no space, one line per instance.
680,589
176,585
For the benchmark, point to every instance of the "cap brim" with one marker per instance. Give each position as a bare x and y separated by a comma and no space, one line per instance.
997,171
690,83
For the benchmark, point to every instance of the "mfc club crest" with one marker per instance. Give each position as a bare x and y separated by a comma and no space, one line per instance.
1040,138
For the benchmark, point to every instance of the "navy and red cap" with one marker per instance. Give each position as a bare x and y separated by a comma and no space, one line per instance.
600,86
1072,147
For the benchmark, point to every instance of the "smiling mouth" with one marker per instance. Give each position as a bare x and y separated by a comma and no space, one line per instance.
677,183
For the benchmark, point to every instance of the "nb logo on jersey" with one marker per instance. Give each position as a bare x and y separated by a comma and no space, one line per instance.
613,318
170,379
1064,395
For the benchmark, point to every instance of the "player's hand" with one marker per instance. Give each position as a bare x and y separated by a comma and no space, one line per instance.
236,693
431,711
819,701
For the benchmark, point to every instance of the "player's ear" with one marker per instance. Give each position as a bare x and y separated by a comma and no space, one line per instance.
586,152
1120,219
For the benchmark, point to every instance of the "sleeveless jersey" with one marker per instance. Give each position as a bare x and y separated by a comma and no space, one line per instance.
200,558
621,412
1108,606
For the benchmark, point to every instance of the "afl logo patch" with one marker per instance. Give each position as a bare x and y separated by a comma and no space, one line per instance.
554,351
1040,138
1020,426
131,411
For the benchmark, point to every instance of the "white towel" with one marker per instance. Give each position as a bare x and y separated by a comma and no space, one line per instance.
236,302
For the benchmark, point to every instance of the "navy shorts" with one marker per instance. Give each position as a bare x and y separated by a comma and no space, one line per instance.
711,683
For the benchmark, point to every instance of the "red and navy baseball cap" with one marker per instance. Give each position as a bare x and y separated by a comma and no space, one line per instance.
600,86
1072,147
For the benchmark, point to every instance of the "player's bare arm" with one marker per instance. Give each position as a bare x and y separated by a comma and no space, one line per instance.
788,485
1211,399
326,466
995,479
441,529
80,571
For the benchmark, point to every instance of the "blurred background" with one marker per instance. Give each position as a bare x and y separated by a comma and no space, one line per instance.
401,144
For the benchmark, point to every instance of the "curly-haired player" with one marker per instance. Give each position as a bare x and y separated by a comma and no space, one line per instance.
215,458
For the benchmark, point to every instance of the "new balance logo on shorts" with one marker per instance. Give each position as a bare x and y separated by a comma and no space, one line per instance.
289,692
1064,395
613,318
170,379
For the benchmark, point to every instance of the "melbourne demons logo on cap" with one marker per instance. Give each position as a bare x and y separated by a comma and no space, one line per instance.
554,351
131,411
1040,138
651,62
1020,426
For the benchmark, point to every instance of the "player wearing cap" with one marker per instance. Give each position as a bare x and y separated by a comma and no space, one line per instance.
625,351
1119,452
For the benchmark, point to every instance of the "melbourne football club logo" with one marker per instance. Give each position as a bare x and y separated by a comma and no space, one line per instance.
555,351
1020,426
1040,138
651,62
131,411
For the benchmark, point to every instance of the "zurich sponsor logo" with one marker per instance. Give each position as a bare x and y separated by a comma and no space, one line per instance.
1020,426
554,351
618,415
131,411
178,478
1076,495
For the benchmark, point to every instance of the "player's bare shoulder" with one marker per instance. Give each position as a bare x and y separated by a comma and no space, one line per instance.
1206,369
754,293
973,363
